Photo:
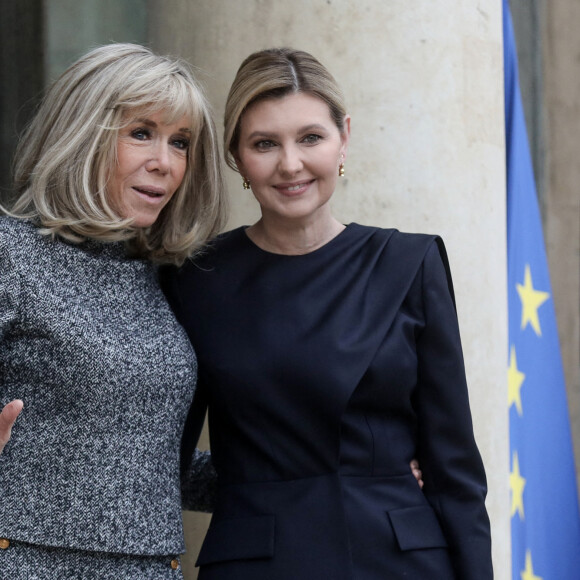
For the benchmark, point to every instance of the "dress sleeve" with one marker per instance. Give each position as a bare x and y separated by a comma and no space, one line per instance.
198,476
455,481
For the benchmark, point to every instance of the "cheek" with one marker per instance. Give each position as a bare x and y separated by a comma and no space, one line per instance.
255,167
124,156
179,172
126,163
329,165
115,181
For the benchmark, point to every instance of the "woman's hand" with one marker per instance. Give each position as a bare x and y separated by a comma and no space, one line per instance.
417,472
7,418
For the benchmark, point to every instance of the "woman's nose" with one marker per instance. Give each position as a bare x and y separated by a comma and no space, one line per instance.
160,159
290,161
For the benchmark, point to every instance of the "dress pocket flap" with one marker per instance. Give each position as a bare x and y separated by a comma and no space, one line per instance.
416,528
238,539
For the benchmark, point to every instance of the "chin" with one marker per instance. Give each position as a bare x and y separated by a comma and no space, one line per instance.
143,223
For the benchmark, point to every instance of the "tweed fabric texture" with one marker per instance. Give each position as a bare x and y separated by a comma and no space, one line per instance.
199,487
23,561
107,376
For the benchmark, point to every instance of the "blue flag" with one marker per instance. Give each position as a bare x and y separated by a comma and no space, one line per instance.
545,520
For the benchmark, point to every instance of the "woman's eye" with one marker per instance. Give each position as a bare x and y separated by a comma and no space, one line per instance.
312,139
141,134
182,144
264,145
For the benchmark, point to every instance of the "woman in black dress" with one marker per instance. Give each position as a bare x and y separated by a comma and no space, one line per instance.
329,356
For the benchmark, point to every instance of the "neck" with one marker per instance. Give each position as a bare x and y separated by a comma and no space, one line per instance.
292,238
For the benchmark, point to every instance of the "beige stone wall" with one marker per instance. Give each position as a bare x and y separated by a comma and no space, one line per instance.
562,198
424,88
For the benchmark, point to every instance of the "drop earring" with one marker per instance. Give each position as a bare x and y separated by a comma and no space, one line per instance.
341,170
245,183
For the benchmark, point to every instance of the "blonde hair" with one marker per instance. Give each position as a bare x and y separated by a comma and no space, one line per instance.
275,73
64,158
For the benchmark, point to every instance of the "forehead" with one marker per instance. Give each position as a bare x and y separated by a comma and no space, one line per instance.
157,117
290,112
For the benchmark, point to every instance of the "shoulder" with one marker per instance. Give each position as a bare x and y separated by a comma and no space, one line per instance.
415,242
22,242
222,247
18,238
16,245
429,248
194,271
430,254
405,245
413,254
14,230
225,241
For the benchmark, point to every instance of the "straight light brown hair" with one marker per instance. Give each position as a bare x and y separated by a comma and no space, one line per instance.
275,73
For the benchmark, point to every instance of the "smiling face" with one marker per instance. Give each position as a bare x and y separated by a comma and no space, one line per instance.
290,150
151,164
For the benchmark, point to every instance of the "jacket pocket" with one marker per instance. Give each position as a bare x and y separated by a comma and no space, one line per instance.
416,528
238,539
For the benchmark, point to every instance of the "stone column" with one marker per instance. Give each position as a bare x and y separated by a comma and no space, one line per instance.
424,85
561,198
547,49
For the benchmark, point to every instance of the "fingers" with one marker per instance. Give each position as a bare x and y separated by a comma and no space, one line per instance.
11,411
7,418
417,472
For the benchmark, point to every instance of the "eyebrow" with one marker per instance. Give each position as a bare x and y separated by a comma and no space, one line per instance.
151,123
305,129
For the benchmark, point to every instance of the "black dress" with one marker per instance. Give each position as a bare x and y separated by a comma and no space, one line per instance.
325,374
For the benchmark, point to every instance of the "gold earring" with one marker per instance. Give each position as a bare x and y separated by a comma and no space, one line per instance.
245,183
341,170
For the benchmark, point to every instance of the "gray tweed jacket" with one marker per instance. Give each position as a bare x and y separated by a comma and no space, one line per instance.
107,375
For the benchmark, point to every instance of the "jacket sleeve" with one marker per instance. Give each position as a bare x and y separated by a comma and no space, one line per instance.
198,483
455,482
10,299
10,290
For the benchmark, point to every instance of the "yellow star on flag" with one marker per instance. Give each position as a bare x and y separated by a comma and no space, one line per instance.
517,484
531,301
515,381
528,573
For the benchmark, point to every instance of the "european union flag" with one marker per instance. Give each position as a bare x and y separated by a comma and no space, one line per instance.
545,520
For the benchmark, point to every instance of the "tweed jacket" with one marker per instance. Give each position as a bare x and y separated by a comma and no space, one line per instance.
107,376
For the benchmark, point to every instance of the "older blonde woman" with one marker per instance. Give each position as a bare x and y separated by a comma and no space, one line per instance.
118,172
